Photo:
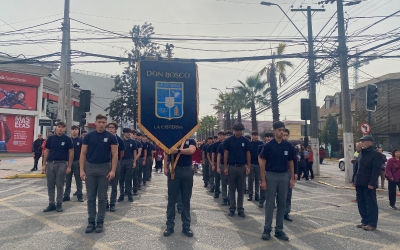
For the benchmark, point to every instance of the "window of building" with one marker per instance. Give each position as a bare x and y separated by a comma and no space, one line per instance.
327,104
337,101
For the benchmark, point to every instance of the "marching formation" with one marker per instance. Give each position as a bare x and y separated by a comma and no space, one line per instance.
232,165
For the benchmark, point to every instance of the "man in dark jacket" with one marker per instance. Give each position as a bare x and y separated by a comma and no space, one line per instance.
37,151
369,166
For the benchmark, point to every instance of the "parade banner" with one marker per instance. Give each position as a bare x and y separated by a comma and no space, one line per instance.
168,103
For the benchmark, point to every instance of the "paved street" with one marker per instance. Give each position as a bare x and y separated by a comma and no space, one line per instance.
324,218
331,168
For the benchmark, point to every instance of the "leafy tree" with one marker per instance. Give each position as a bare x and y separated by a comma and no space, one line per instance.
207,128
330,131
253,92
270,71
126,102
226,105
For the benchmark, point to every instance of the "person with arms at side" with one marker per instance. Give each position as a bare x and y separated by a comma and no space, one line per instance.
75,170
382,173
50,133
393,176
221,137
267,137
355,165
159,157
99,148
254,176
142,174
369,167
135,171
127,165
237,161
286,136
182,183
206,162
210,160
57,162
112,128
37,151
322,154
310,162
277,175
220,170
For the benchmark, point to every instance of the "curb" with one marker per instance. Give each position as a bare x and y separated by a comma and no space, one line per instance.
24,176
343,187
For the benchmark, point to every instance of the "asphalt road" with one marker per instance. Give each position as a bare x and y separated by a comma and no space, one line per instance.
331,168
324,218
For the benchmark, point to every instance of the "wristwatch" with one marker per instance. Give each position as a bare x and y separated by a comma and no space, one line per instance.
179,151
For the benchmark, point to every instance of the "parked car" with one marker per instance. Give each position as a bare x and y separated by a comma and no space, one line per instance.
341,161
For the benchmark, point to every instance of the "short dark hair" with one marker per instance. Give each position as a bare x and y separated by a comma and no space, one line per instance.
278,124
215,137
133,131
139,134
268,134
74,127
114,124
228,132
101,116
394,151
221,133
126,130
62,124
238,126
287,131
209,138
248,137
83,131
145,136
254,133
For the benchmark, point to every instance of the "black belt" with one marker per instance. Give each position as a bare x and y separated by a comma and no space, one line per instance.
57,161
237,165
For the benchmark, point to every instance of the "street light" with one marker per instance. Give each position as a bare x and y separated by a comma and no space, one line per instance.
217,89
270,4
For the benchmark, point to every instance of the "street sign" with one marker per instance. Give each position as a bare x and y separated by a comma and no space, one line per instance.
365,128
44,122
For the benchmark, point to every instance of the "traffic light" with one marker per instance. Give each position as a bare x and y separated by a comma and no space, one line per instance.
84,100
371,97
305,109
83,119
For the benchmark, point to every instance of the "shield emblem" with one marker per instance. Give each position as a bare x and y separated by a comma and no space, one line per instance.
169,100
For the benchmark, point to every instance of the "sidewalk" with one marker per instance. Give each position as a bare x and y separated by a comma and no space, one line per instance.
21,166
338,182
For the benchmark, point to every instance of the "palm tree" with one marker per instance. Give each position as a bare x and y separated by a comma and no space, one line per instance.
253,91
226,105
239,104
270,71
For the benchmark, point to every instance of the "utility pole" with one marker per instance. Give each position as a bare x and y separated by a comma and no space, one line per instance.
345,95
64,96
313,93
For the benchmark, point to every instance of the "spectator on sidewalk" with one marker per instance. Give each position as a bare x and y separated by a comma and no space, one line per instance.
393,176
310,161
355,164
382,173
37,151
322,154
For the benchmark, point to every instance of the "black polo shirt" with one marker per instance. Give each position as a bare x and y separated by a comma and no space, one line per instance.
215,149
59,147
139,145
130,147
204,149
220,151
99,146
186,160
121,146
278,155
210,149
144,147
254,151
77,147
237,147
150,149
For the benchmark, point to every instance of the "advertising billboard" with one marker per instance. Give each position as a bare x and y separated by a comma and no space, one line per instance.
17,97
16,133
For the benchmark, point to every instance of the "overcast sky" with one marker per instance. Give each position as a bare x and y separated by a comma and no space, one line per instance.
195,18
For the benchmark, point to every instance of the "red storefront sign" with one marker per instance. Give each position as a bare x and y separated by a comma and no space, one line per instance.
19,79
16,133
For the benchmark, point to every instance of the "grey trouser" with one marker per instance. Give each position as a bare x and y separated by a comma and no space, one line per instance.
289,198
236,175
96,186
212,176
55,175
254,176
277,187
224,183
149,163
75,169
125,177
114,185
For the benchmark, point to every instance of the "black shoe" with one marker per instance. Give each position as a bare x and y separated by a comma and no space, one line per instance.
107,206
75,194
266,235
51,207
281,236
99,227
80,199
250,197
144,184
139,188
393,207
246,191
231,214
260,205
66,198
257,198
59,207
33,169
130,199
212,190
168,231
216,195
120,199
242,214
187,232
225,202
134,193
288,218
90,227
205,185
112,208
